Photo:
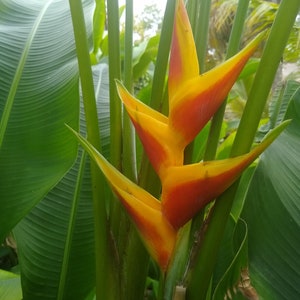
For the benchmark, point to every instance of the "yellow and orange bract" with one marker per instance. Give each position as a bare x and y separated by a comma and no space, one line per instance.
189,188
186,189
158,235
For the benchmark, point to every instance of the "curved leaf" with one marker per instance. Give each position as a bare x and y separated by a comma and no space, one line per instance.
144,54
281,100
272,211
232,259
10,286
56,239
38,94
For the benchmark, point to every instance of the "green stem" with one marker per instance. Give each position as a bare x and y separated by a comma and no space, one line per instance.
192,8
129,153
200,277
233,47
115,106
201,32
114,73
162,59
258,96
104,285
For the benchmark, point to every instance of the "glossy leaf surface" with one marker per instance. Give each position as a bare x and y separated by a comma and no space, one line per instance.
39,93
10,286
272,211
56,239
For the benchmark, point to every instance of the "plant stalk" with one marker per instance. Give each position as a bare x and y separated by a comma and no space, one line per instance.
116,209
201,32
233,47
129,151
114,73
104,282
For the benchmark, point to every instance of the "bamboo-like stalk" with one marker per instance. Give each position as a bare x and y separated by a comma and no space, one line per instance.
114,73
104,284
233,47
114,62
201,32
129,152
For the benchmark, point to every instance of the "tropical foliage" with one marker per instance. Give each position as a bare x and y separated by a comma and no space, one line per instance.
169,215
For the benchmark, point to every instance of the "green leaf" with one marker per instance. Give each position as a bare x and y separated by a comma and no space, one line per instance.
145,53
280,101
241,192
56,239
39,93
10,286
232,258
250,68
272,212
98,29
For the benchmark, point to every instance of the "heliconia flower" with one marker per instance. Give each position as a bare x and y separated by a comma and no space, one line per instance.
193,98
155,231
187,189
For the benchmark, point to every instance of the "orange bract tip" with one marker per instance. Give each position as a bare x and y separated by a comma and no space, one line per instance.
196,100
183,57
155,231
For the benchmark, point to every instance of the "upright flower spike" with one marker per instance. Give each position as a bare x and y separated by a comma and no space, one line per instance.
187,189
155,231
193,99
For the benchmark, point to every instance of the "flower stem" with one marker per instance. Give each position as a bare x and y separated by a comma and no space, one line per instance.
104,283
233,47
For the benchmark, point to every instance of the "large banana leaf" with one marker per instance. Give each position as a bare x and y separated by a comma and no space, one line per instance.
272,212
38,94
56,239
